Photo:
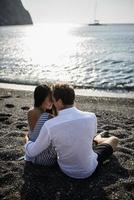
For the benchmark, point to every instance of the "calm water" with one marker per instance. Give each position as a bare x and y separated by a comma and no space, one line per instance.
99,57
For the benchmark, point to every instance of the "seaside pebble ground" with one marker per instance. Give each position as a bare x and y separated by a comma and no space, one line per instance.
115,179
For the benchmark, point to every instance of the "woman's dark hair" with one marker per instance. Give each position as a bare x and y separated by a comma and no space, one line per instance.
40,93
64,92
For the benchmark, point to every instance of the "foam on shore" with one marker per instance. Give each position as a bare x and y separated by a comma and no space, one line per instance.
81,92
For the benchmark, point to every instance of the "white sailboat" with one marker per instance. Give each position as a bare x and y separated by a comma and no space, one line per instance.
96,21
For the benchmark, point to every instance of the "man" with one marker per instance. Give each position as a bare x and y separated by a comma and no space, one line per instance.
72,133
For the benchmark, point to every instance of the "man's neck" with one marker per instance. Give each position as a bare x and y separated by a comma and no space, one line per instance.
66,107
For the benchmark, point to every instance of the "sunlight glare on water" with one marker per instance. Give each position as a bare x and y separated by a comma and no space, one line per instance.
50,46
49,53
48,42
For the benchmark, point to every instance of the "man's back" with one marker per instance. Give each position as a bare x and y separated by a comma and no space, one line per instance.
72,133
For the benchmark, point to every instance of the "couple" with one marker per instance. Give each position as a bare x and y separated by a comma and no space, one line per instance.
67,137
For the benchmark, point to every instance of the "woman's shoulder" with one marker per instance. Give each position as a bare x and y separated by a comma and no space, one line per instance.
33,112
33,115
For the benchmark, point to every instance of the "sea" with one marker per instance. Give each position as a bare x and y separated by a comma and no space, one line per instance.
99,58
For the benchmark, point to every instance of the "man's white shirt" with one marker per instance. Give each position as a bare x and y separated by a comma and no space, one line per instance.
71,133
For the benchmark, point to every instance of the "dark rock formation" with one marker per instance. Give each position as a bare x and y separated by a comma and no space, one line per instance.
12,12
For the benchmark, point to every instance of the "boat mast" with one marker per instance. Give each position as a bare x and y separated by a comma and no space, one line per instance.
95,10
96,21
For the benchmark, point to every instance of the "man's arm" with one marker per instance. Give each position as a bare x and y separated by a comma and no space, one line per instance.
42,142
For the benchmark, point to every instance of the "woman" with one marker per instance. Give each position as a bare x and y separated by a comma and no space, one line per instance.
42,111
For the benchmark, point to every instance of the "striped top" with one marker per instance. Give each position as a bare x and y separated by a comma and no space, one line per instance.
48,156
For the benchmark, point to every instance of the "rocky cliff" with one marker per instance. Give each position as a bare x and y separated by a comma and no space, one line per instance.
12,12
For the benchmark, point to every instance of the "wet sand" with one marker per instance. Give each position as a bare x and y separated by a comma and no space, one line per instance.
115,179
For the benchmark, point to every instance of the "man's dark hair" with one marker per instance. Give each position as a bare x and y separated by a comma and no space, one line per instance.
65,93
40,93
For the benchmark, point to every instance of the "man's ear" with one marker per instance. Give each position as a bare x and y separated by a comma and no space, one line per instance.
60,103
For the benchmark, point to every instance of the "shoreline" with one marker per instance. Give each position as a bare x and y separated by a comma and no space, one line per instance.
80,92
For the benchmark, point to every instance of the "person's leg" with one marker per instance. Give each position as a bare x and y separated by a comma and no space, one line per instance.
112,141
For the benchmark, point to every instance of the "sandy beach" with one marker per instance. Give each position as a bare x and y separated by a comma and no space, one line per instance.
115,180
